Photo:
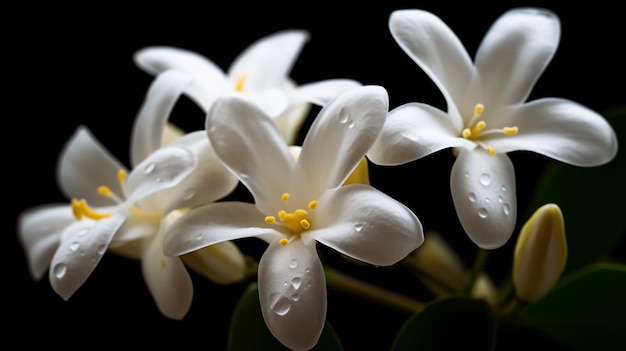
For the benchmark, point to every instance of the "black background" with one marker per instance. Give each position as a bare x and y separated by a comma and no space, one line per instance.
73,66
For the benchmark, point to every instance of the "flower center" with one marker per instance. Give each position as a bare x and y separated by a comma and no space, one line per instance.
297,221
80,208
240,80
478,129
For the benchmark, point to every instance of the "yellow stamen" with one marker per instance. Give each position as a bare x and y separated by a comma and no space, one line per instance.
285,197
305,224
510,130
297,221
283,241
282,215
104,191
312,205
270,219
491,150
466,133
80,209
478,110
121,175
239,82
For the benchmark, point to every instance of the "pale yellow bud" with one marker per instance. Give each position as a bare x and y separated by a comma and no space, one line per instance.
540,253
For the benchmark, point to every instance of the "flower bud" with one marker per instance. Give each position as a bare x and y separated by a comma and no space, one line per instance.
540,253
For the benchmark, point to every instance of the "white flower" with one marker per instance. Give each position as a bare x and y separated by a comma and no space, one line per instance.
487,115
111,208
299,203
260,73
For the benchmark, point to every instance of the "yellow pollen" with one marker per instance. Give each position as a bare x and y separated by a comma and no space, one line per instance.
121,175
312,205
80,209
466,133
285,197
239,82
510,130
491,151
297,221
104,191
270,219
305,224
478,110
281,215
283,241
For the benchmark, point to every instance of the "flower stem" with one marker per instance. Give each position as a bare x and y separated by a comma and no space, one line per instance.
346,283
479,265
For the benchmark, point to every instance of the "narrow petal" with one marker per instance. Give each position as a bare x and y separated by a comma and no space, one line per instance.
289,122
514,53
84,165
321,92
167,279
209,181
272,102
79,253
249,143
428,41
339,138
413,131
214,223
267,62
39,232
292,293
222,263
149,126
366,224
483,191
560,129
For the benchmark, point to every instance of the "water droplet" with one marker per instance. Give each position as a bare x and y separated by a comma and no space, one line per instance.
157,179
199,237
296,282
285,283
343,117
483,213
504,188
506,209
293,263
101,249
472,197
307,271
189,194
351,124
485,179
149,168
82,232
359,226
279,304
74,246
500,199
295,297
308,284
466,175
487,200
59,270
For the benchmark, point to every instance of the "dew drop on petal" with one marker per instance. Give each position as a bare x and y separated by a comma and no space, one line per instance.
295,297
296,282
279,304
343,117
500,199
74,246
293,263
466,175
487,200
307,271
351,124
149,168
359,226
101,249
485,179
82,232
483,213
506,209
189,194
504,188
472,197
59,270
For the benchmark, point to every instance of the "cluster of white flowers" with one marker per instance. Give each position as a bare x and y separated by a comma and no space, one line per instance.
165,210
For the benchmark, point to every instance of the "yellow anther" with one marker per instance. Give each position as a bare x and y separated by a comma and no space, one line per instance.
312,205
239,82
80,209
478,110
491,150
510,130
283,241
104,191
270,219
121,175
300,213
480,126
284,197
75,203
466,133
282,214
305,224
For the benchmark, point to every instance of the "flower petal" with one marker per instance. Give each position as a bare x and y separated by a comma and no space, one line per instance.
366,224
167,279
339,138
483,191
149,126
322,92
249,143
515,51
222,263
272,102
84,165
39,232
560,129
209,181
292,294
428,41
267,62
214,223
412,131
79,253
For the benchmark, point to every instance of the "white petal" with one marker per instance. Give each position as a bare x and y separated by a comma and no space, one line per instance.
84,165
267,62
292,293
483,191
272,102
365,224
209,181
167,279
222,263
249,143
39,232
162,169
134,228
321,92
339,138
149,126
514,53
79,253
413,131
214,223
427,40
560,129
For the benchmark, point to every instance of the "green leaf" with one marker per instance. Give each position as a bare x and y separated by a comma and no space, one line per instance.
452,323
586,311
249,332
591,199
